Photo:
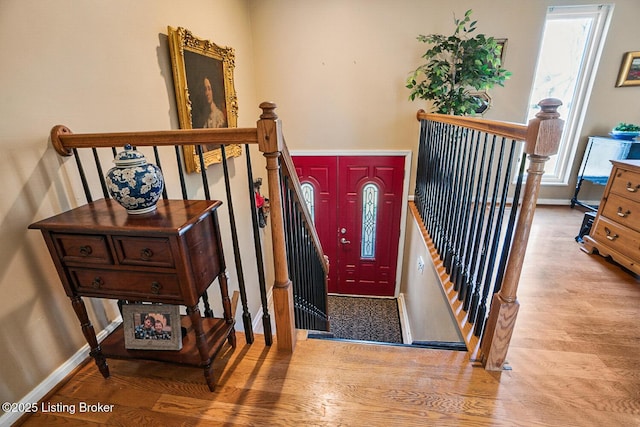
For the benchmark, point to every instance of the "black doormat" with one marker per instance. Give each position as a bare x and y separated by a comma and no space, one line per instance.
365,319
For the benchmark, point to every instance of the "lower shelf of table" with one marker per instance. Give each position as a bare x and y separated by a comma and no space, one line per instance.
216,331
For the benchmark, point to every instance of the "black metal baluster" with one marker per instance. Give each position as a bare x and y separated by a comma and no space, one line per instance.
455,200
103,183
471,257
444,190
468,222
511,225
449,191
83,177
203,173
266,317
157,157
460,223
497,240
246,315
477,245
183,185
480,282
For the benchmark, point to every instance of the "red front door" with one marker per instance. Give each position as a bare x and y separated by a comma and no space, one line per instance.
357,205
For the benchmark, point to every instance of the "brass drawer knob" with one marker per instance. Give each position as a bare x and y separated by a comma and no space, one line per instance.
85,250
623,214
97,283
146,254
610,235
155,288
631,188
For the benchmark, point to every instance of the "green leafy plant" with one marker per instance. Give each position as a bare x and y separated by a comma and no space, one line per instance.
456,66
627,127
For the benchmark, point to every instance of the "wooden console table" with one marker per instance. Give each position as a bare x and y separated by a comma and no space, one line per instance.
171,256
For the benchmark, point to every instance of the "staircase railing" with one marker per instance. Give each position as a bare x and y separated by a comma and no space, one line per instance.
288,217
477,216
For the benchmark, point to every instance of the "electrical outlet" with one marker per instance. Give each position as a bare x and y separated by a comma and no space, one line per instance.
420,265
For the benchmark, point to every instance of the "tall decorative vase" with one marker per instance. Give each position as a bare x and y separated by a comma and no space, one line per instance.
134,183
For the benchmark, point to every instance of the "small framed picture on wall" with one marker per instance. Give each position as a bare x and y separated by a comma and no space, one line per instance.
629,74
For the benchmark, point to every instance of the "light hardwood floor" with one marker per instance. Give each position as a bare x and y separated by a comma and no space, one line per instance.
574,362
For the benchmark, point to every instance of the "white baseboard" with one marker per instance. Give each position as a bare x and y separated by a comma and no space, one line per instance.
257,321
56,376
404,320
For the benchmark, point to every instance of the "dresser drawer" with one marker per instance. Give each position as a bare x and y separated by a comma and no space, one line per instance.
121,284
82,248
626,183
623,211
617,237
151,251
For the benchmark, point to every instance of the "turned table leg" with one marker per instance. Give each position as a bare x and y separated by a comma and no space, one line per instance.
90,335
201,343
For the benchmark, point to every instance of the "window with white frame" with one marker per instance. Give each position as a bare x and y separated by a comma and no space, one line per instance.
571,46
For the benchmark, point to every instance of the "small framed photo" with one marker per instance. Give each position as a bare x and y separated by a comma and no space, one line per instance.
152,327
502,44
205,92
629,74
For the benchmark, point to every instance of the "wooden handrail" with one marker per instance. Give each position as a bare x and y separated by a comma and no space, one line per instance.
290,171
515,131
64,140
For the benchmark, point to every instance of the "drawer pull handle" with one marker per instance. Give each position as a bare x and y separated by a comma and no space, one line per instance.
631,188
609,235
97,283
85,250
146,254
155,288
623,214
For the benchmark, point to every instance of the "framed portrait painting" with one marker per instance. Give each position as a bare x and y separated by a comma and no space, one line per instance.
629,74
152,327
205,93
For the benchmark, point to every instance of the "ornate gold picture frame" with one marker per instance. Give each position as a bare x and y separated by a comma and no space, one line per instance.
205,93
629,74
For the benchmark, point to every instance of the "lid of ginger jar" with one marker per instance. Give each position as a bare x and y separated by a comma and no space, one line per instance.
129,157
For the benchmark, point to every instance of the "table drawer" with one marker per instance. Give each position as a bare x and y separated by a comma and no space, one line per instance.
623,211
151,251
82,248
617,237
121,284
626,183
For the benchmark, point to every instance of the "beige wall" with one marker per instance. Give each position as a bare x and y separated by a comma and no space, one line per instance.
428,311
94,66
336,68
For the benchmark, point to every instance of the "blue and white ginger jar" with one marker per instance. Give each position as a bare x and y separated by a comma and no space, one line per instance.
134,183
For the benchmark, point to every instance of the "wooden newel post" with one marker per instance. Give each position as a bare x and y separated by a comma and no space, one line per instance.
543,139
271,144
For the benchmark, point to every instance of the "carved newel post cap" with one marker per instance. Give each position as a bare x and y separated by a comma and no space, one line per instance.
545,130
268,111
549,108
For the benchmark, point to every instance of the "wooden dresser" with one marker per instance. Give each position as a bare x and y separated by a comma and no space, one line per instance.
616,228
170,256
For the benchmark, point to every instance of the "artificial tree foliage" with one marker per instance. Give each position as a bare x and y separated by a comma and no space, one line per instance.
455,67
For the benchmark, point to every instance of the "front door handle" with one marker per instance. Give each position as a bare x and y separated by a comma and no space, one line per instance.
345,241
